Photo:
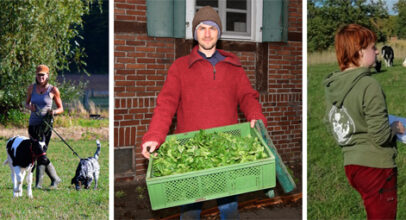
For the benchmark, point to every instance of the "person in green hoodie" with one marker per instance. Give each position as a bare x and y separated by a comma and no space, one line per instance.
358,117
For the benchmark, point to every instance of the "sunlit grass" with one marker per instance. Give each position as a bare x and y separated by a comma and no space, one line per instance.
65,202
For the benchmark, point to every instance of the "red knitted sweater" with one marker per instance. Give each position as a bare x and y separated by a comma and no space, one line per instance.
203,96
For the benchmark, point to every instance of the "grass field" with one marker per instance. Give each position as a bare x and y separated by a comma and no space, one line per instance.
329,194
329,56
65,202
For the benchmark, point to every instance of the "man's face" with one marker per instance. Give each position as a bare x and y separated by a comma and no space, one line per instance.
206,36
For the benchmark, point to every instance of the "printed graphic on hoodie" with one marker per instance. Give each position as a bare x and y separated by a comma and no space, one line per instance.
342,124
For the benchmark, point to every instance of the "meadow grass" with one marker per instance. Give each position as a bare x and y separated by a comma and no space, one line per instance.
64,202
65,120
329,56
329,194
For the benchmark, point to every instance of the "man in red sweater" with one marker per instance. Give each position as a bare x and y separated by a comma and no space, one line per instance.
205,89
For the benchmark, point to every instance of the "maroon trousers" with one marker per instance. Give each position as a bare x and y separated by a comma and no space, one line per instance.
378,189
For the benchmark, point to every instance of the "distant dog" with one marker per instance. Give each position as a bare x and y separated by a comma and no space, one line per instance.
388,55
88,169
404,63
22,153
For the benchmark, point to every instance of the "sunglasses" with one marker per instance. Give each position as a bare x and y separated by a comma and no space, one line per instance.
41,74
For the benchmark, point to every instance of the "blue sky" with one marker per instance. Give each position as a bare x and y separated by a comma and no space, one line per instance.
390,4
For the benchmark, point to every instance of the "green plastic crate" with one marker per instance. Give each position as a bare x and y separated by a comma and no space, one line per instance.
213,183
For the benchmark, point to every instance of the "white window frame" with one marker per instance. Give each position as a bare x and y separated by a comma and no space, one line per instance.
254,22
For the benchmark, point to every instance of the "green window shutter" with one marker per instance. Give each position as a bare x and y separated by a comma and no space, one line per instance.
275,21
166,18
179,12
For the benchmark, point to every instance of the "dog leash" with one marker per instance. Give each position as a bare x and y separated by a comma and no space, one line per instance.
63,140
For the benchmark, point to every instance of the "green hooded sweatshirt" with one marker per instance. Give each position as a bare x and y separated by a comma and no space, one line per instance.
358,117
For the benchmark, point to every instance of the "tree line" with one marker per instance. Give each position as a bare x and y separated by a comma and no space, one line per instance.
37,32
324,17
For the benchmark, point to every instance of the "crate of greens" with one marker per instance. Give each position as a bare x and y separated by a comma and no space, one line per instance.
209,164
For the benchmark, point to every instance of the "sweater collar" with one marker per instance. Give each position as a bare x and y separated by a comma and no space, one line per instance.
230,58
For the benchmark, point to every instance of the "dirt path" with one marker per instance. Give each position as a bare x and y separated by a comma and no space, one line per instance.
71,133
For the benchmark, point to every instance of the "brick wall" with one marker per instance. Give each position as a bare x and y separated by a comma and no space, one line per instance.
141,65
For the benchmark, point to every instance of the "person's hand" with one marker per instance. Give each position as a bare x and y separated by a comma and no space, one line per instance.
51,112
152,147
31,107
253,123
398,127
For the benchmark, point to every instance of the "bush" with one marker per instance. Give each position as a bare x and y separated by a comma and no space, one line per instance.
37,32
15,117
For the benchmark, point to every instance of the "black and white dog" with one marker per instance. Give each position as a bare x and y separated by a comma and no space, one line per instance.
21,156
88,169
388,55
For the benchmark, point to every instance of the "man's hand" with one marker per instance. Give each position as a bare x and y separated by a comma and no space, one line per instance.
152,147
253,123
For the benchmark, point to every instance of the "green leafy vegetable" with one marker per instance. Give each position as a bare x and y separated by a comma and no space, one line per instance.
205,151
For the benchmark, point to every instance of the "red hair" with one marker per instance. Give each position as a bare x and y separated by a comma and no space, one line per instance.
349,40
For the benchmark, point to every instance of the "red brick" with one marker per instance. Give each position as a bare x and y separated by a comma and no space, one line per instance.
137,77
142,7
137,54
144,60
121,71
155,88
124,37
145,49
119,42
136,66
119,11
140,2
135,43
125,6
131,12
155,66
146,71
119,54
124,18
125,48
124,83
125,60
141,19
145,83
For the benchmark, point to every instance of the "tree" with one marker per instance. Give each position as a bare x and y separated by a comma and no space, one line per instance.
36,32
326,16
400,8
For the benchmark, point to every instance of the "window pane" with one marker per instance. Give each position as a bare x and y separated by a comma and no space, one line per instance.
236,22
237,4
212,3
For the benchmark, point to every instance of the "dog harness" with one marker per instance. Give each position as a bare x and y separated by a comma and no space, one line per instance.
35,156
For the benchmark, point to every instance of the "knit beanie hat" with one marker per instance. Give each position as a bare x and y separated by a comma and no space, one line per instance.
205,14
42,69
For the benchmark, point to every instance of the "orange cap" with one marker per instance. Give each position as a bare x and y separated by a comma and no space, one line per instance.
42,69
